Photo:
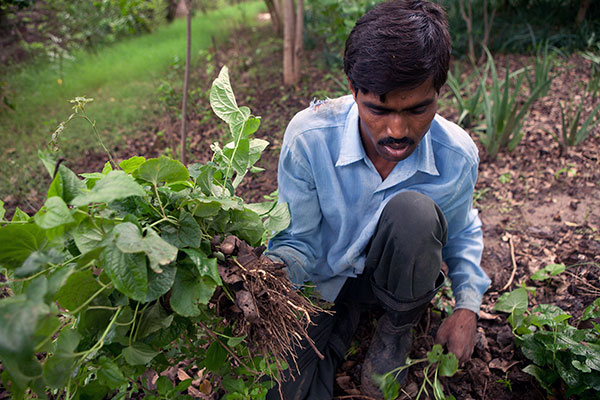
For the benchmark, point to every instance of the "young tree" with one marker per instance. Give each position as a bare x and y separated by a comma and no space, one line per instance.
188,54
293,31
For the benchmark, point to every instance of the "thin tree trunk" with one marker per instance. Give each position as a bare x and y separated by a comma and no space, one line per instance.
583,7
468,18
487,27
288,42
188,53
299,40
275,16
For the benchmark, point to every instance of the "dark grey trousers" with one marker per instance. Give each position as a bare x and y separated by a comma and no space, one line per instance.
402,272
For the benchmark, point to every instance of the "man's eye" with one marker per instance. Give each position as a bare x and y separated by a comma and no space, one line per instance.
419,110
375,111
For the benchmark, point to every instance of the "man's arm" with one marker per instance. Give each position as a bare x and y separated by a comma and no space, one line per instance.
462,254
299,245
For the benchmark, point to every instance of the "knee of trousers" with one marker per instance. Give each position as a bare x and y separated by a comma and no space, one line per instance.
414,215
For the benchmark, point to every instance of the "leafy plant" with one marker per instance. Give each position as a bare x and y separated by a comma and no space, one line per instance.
504,111
438,365
124,271
573,131
548,272
561,354
467,93
542,71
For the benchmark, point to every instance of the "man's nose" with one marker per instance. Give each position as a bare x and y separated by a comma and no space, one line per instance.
397,126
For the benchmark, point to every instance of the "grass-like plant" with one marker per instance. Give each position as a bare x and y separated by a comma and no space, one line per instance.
542,71
467,93
504,107
572,130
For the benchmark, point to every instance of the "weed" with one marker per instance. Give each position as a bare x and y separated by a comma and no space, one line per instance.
505,178
504,111
574,130
561,354
438,364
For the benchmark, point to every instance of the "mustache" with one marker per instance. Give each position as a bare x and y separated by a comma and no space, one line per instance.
391,140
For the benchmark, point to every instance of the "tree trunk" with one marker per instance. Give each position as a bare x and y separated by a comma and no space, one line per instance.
288,42
186,77
583,7
293,28
275,15
299,39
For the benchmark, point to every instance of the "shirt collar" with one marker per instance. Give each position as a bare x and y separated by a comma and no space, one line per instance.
352,150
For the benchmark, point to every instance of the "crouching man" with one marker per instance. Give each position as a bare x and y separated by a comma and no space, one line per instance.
380,191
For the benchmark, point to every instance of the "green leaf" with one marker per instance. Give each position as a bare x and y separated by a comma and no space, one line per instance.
37,260
582,367
115,185
58,369
388,385
89,235
234,341
163,169
222,99
159,251
18,321
17,242
77,289
186,233
279,219
53,214
204,265
20,215
190,291
2,210
247,225
154,319
548,271
216,356
129,240
131,164
435,353
545,377
592,311
128,272
448,365
164,385
66,184
109,373
139,354
515,301
159,284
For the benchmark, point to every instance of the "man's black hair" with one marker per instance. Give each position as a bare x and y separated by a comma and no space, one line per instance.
398,45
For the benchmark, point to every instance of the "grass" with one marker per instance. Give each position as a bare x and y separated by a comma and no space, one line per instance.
122,78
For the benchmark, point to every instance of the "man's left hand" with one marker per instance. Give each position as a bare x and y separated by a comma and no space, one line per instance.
457,332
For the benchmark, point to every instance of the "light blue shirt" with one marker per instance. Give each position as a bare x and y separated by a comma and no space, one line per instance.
336,196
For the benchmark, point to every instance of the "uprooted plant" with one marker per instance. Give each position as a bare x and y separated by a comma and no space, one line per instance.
125,270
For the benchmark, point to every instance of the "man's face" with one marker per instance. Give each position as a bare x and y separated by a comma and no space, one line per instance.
391,130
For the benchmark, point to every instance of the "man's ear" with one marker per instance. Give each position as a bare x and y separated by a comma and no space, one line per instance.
351,88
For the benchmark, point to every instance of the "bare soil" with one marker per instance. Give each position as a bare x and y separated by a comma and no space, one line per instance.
537,205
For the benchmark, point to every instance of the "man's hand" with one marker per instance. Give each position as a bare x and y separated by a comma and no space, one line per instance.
457,332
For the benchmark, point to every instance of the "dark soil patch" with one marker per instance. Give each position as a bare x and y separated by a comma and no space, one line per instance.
542,206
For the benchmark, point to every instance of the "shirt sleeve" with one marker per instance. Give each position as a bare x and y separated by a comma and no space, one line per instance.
299,246
464,247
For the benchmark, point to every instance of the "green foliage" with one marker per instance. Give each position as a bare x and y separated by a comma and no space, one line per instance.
548,271
542,72
503,108
561,354
438,365
115,273
573,130
328,22
467,94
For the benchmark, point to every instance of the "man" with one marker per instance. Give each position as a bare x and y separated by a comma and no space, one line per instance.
380,192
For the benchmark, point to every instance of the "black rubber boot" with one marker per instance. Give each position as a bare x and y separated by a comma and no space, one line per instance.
392,341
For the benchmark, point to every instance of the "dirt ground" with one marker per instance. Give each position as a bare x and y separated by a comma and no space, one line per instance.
537,206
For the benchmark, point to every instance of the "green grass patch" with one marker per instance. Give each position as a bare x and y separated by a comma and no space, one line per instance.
121,78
